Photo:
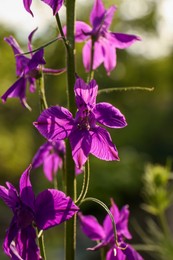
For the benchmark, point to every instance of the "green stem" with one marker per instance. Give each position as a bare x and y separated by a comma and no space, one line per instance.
85,183
102,253
70,179
91,73
43,102
61,30
41,244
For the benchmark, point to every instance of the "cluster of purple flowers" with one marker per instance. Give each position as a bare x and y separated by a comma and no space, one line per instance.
86,132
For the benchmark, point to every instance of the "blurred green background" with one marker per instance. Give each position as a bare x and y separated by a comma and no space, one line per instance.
147,138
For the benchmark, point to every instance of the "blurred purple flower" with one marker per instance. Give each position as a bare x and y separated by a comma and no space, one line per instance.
85,135
105,234
105,41
27,70
50,208
50,154
54,4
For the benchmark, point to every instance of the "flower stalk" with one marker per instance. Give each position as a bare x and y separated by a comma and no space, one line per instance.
70,179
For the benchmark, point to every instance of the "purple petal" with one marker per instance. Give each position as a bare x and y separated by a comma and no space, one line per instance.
30,40
26,192
91,227
109,55
53,208
10,235
108,115
85,94
132,254
97,13
55,123
51,164
54,4
21,60
41,154
115,254
24,245
98,55
18,89
108,17
122,227
32,84
102,146
80,141
82,31
9,195
37,59
27,5
121,40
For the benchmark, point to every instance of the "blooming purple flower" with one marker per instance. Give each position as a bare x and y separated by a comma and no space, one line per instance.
105,41
85,135
54,4
27,70
50,154
50,208
105,234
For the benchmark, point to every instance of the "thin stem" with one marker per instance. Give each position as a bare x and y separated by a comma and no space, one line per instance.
61,30
109,90
40,237
85,185
102,253
70,178
43,102
55,182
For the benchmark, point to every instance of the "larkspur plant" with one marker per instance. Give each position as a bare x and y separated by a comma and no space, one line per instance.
83,124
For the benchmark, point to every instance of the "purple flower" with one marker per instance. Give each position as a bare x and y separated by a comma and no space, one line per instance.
54,4
105,41
50,208
50,154
85,135
27,70
104,233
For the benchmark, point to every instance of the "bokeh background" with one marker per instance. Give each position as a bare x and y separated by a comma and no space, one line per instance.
148,137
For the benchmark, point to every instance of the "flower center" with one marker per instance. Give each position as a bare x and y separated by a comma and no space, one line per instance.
84,120
24,216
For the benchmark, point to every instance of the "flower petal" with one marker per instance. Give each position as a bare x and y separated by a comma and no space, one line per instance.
9,195
85,94
121,40
27,5
53,208
122,226
55,123
80,141
54,4
132,254
97,13
108,115
24,245
10,235
37,59
26,193
91,227
41,154
102,146
21,60
51,164
82,31
109,55
30,40
108,16
98,55
18,89
115,254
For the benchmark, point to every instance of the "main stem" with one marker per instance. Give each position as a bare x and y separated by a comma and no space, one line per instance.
70,180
